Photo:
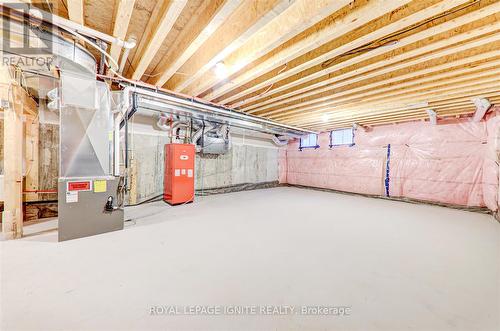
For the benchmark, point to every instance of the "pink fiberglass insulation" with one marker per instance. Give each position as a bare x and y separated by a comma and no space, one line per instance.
452,162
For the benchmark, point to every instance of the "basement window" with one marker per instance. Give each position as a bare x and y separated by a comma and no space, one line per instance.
309,141
342,137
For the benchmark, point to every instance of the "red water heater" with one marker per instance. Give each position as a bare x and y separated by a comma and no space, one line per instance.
178,181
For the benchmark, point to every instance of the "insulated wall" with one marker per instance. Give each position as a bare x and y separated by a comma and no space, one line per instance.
453,162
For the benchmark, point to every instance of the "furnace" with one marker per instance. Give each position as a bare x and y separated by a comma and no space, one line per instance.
178,186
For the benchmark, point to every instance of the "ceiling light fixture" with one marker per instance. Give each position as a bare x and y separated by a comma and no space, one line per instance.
221,70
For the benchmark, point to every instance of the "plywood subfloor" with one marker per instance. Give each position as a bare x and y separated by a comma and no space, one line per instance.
398,266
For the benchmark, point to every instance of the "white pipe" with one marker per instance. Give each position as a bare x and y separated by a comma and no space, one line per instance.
67,24
124,58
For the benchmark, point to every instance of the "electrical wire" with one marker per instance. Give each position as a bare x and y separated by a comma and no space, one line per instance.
389,38
267,90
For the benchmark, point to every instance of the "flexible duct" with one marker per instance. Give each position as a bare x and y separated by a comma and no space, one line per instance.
162,122
203,129
163,125
278,142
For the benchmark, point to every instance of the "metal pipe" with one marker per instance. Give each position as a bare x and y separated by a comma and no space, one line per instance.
42,16
208,108
279,142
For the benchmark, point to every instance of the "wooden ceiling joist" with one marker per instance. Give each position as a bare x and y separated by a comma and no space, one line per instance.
318,76
169,14
412,96
208,19
301,15
293,61
402,116
362,114
386,68
248,18
446,112
122,16
430,98
408,94
75,11
303,50
391,90
434,66
416,12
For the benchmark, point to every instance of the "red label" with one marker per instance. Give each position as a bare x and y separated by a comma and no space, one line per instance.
79,186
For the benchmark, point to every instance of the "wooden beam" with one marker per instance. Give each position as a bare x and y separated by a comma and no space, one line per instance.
169,14
419,10
358,113
415,95
419,91
144,36
301,15
397,117
124,9
325,96
31,157
447,111
206,20
318,76
12,219
436,98
432,82
434,101
394,63
247,19
454,112
75,11
388,91
133,182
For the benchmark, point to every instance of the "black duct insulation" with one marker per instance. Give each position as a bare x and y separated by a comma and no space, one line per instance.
218,190
482,210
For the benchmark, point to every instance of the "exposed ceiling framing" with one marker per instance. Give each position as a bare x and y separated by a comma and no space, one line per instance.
318,64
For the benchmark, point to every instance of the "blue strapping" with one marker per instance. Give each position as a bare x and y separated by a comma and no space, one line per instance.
387,171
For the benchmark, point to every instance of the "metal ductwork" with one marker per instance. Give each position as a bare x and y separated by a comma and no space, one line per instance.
209,138
151,100
217,140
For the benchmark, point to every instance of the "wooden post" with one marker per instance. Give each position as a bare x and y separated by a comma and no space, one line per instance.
31,164
133,182
12,225
15,102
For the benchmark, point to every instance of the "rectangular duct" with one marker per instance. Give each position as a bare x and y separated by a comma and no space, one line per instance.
86,132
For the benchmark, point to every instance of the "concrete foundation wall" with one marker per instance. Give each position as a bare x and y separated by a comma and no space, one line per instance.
247,162
253,159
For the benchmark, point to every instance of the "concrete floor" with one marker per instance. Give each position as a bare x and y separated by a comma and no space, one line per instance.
398,266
